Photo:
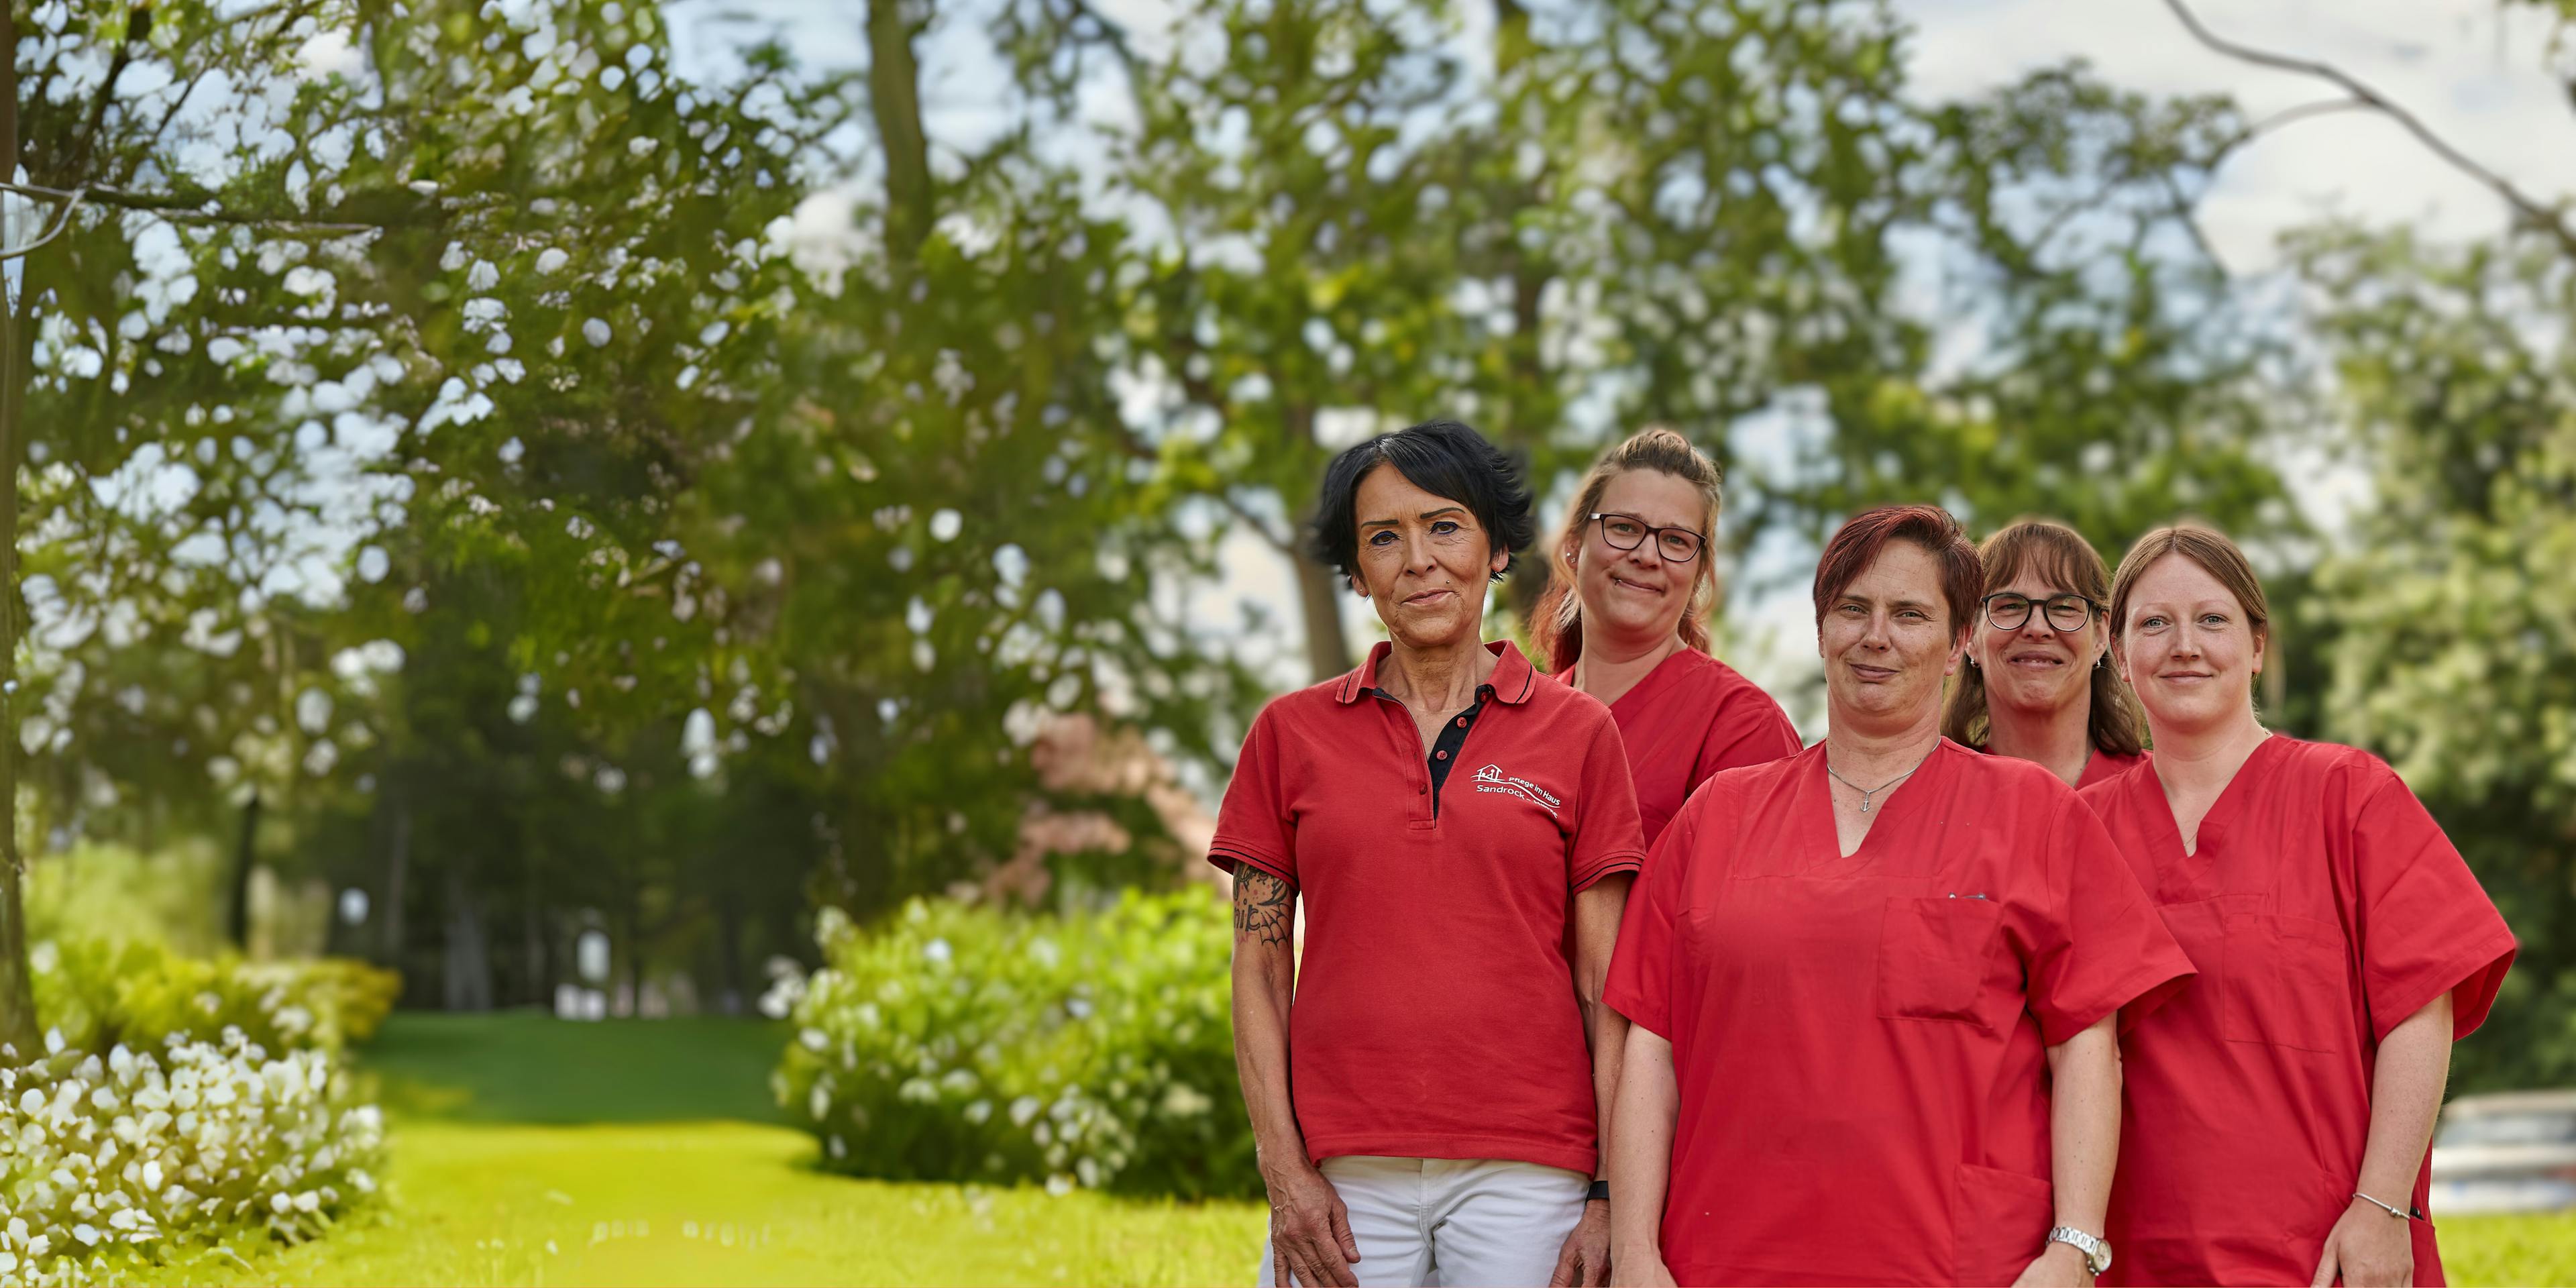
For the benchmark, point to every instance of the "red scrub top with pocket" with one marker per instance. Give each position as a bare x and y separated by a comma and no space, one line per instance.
1861,1042
1689,718
1435,1014
2323,906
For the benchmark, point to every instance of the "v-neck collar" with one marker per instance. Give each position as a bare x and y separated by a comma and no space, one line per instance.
1817,807
1663,675
2222,811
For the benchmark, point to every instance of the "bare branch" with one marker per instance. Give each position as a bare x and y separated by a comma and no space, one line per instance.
2302,112
2528,209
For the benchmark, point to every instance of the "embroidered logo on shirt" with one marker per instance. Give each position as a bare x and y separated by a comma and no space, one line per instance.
1492,779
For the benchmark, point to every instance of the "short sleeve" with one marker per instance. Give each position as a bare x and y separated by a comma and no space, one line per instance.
1253,825
1748,731
2427,926
2099,945
1607,835
1641,966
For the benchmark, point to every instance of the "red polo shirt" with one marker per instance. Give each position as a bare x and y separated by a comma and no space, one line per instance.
1435,1013
1689,718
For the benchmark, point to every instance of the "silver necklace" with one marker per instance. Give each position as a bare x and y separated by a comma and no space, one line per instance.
1867,792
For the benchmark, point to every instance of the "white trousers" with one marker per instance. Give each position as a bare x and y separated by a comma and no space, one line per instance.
1465,1223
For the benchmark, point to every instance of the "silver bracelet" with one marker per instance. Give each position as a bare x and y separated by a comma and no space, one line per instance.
2399,1214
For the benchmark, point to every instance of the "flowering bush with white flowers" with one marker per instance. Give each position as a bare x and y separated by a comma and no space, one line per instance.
958,1042
112,1163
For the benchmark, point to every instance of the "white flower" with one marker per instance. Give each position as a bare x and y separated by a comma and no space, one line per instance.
86,1233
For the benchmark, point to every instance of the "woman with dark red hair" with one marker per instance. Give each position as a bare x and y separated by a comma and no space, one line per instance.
1872,985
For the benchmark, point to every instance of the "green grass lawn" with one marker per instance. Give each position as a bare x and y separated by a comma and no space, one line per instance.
531,1151
2493,1250
527,1150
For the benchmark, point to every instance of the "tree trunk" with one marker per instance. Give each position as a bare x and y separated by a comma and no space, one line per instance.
397,859
18,1024
468,974
894,97
237,919
1320,591
730,995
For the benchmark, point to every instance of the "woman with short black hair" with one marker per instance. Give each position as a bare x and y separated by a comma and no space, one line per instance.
1432,1094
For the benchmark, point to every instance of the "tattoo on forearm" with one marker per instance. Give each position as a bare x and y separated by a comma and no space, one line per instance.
1264,907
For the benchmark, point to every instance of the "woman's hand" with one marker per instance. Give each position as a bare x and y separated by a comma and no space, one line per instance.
2369,1249
1641,1267
1584,1262
1310,1230
2059,1265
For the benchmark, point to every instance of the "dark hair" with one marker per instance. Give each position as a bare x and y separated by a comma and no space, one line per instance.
2063,559
1441,457
1556,626
1858,544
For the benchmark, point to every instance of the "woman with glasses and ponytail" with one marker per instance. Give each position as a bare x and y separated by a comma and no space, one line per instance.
2039,685
1625,619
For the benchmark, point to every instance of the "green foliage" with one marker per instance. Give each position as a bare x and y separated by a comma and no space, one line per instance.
962,1043
122,955
2450,618
99,992
175,897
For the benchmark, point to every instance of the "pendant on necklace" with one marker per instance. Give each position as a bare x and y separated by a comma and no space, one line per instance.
1864,804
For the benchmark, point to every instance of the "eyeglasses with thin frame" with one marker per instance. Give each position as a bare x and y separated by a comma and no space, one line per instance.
2008,610
1627,532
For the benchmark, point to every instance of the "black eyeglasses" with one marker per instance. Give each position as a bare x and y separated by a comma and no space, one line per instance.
2006,611
1627,532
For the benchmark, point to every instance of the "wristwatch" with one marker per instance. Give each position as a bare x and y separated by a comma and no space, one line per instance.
1599,1193
2097,1252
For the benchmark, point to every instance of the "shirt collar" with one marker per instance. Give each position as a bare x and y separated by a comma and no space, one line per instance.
1512,682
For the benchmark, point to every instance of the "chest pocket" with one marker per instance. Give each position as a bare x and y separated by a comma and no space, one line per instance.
2281,983
1932,956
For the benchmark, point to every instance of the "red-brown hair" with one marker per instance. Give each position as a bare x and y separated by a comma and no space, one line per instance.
1556,624
1864,537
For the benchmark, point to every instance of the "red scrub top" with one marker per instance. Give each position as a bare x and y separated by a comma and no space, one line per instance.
1861,1043
2323,906
2100,767
2104,767
1435,1011
1689,718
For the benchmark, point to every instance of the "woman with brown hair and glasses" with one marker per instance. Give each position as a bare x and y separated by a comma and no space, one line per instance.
2039,685
1625,619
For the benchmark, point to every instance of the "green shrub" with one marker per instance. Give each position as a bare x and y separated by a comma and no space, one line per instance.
175,896
99,992
958,1042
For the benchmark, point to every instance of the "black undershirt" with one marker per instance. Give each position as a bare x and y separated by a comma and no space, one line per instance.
1453,738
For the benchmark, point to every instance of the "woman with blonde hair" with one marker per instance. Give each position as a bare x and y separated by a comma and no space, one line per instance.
2278,1111
1625,619
2039,685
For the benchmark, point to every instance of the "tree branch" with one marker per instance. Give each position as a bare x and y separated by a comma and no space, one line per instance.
2528,209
